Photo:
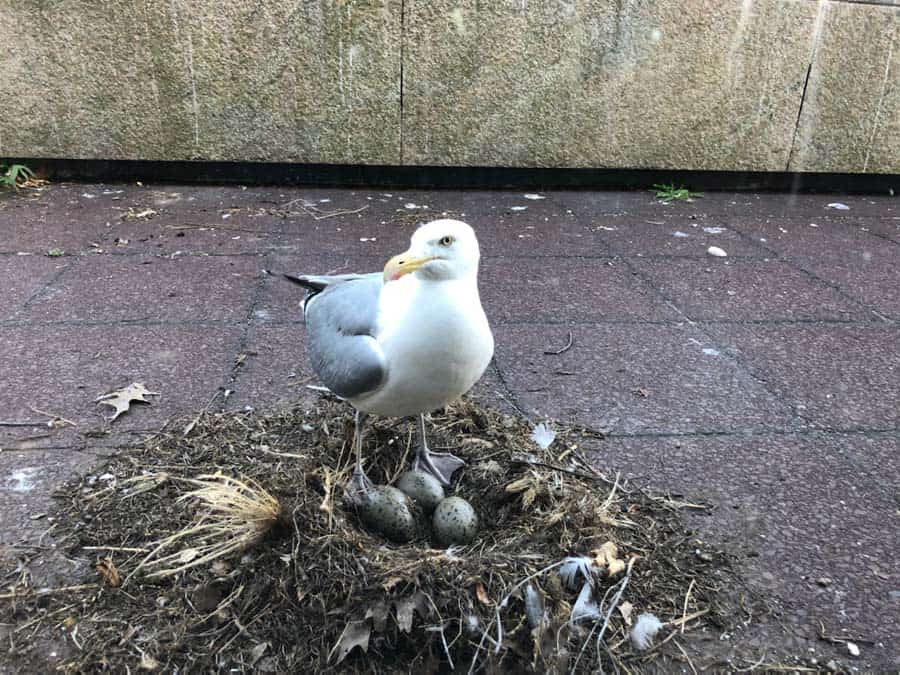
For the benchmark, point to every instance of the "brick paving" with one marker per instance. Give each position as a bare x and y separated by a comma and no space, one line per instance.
766,383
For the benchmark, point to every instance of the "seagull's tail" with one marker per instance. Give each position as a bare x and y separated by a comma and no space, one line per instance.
312,284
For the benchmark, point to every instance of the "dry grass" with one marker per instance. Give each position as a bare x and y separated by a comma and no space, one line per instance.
235,515
274,571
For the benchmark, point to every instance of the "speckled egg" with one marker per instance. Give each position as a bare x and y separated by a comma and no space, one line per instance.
455,522
422,488
387,510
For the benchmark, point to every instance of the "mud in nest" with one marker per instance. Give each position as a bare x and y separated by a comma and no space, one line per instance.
317,591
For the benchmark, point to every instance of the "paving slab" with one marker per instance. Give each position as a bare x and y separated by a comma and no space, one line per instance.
788,204
147,288
856,255
873,279
567,289
741,204
508,223
635,379
23,276
275,370
27,480
726,289
795,511
889,228
41,221
62,370
674,235
808,236
837,376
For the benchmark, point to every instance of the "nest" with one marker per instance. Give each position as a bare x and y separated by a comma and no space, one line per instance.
233,547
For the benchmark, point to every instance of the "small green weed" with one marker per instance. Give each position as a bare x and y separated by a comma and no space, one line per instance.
670,193
56,253
12,175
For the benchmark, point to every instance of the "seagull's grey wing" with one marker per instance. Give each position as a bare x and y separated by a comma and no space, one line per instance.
340,324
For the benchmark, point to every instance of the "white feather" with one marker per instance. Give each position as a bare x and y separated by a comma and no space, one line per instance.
543,435
534,606
574,570
585,606
645,629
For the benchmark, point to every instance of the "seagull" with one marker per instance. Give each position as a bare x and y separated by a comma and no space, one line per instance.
402,342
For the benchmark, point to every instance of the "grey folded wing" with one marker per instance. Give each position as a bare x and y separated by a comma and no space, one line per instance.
341,323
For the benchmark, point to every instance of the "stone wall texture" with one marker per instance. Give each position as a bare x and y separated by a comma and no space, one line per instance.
766,85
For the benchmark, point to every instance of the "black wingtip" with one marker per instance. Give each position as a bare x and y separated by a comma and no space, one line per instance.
289,277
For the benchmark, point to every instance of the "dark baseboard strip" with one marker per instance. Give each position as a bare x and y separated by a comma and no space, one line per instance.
446,177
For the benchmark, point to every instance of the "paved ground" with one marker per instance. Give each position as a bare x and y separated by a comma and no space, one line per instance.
766,383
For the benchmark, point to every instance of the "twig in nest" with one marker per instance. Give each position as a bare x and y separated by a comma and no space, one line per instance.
687,597
46,591
440,628
501,605
238,514
332,478
402,464
318,214
556,352
54,419
623,584
22,424
686,619
687,658
840,639
189,427
784,668
291,455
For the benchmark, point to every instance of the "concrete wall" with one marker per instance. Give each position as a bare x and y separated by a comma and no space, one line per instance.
802,85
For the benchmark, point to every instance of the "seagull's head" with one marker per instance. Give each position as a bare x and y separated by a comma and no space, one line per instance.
441,250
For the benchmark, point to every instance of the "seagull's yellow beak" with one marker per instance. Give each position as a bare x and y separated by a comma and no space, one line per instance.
403,264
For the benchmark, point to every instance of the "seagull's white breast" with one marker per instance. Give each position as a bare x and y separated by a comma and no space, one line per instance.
437,343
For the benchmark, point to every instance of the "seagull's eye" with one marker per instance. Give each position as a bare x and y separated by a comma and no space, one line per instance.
446,241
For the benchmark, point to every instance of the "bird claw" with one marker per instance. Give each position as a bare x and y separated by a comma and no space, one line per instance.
360,488
441,465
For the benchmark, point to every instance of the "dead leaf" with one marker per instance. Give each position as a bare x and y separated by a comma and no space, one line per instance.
482,595
626,608
355,634
407,606
605,554
519,485
616,566
109,573
121,399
